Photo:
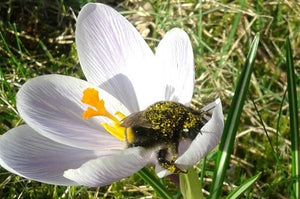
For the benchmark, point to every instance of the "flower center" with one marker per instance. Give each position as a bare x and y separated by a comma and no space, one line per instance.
91,97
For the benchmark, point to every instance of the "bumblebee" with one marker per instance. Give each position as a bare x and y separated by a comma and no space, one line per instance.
163,125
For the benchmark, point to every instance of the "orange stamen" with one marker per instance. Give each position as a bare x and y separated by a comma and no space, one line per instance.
91,97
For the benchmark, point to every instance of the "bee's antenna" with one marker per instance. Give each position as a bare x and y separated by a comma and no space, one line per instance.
209,109
201,132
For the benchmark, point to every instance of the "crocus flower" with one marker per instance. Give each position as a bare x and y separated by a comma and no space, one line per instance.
71,135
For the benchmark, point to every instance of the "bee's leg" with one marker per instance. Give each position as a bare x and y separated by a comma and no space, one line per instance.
162,159
168,164
174,151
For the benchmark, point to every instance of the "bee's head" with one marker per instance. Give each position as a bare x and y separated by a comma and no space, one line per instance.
194,122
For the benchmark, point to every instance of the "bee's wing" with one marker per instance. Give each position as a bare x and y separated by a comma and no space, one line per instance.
135,119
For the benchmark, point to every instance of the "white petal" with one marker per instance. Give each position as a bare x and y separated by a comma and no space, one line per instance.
106,170
31,155
112,53
51,105
161,172
175,55
205,142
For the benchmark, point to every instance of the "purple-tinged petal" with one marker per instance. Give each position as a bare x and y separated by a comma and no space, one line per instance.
175,55
113,55
51,105
31,155
206,140
106,170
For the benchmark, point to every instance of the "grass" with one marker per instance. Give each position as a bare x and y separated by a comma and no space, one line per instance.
40,41
231,125
294,119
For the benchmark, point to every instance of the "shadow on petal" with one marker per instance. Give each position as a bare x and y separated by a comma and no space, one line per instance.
125,93
106,170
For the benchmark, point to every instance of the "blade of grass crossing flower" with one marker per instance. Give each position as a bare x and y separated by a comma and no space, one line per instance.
148,177
190,185
236,193
231,124
294,128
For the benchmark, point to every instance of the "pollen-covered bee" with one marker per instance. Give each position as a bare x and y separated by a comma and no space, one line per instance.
164,124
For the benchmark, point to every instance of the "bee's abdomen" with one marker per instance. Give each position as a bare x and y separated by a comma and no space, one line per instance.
147,137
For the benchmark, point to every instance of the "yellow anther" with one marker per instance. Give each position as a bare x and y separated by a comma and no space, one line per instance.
120,115
116,130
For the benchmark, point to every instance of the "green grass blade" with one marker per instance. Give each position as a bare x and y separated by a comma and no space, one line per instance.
294,128
45,49
232,122
276,157
12,56
243,187
199,30
231,34
153,181
203,168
